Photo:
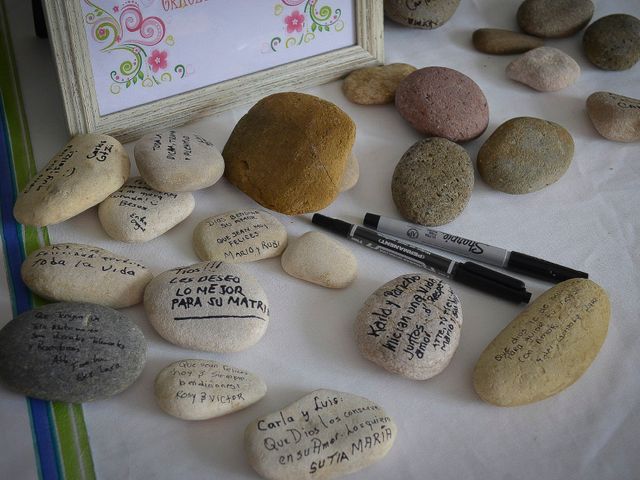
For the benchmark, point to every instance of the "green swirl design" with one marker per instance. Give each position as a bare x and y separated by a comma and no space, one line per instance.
129,68
180,70
275,42
322,17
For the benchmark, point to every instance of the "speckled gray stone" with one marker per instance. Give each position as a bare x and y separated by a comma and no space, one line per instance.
432,182
427,14
71,352
554,18
503,42
524,155
545,69
614,116
613,42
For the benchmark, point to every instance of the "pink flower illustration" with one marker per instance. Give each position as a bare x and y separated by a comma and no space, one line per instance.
157,60
294,22
116,9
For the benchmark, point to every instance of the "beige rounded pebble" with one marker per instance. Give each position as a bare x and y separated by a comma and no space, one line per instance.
375,85
317,258
202,389
614,116
86,171
72,272
239,236
545,69
325,434
351,174
547,347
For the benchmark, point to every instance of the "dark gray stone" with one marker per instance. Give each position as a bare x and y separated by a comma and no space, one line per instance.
554,18
613,42
426,14
71,352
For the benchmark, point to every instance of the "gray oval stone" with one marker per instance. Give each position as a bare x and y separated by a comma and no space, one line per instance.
545,69
72,272
71,352
410,326
554,18
613,42
616,117
210,306
427,14
432,182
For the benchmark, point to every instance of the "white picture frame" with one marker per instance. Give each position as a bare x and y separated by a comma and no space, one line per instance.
68,36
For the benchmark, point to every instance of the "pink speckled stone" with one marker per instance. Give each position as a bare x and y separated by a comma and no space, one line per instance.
441,102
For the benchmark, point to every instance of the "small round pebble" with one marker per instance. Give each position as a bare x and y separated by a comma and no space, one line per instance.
351,174
375,85
317,258
71,352
545,69
432,182
614,116
524,155
426,14
613,42
202,389
442,102
554,18
503,42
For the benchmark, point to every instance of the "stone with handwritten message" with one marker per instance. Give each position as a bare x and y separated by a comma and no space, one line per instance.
614,116
427,14
323,435
202,389
319,259
375,85
289,152
351,174
545,69
239,236
410,326
71,352
554,18
178,160
138,213
86,171
547,347
72,272
210,306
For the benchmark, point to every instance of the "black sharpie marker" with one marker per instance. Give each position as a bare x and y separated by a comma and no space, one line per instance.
467,273
481,252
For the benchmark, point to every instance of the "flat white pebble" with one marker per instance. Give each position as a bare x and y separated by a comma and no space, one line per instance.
546,69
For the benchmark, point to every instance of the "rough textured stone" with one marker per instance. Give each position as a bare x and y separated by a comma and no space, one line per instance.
202,389
410,326
325,434
442,102
317,258
71,352
613,42
178,160
427,14
432,182
351,174
615,117
547,347
73,272
503,42
208,306
87,170
289,152
375,85
138,213
554,18
545,69
524,155
239,236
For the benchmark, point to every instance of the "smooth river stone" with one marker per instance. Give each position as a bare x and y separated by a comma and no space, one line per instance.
503,42
351,174
614,116
208,306
554,18
441,102
178,160
375,85
239,236
613,42
427,14
319,259
202,389
138,213
410,326
547,347
524,155
71,352
72,272
325,434
86,171
432,182
545,69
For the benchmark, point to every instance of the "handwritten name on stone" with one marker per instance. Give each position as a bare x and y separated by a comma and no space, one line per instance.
323,435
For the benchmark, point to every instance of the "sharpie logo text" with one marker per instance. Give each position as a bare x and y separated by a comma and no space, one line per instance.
474,247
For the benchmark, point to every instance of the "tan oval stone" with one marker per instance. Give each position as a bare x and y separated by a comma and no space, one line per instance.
547,347
86,171
72,272
375,85
614,116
